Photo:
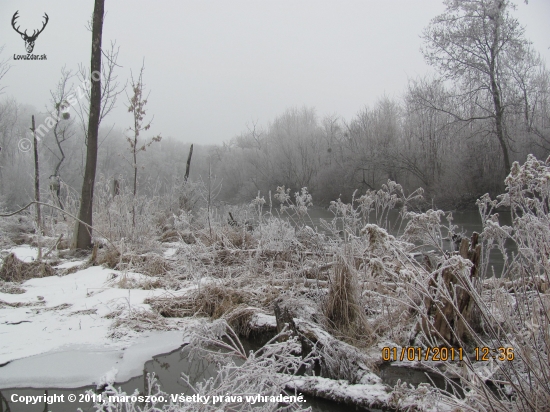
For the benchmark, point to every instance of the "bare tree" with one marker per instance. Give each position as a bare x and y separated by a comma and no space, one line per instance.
136,106
61,99
296,139
84,234
9,114
4,67
532,95
188,164
426,131
110,87
475,43
332,134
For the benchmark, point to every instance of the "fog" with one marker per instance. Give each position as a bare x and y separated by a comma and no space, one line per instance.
215,66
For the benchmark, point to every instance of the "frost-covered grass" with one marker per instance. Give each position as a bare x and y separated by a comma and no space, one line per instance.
344,293
454,302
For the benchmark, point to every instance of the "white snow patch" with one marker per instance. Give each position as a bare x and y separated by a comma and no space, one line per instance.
25,253
261,319
108,378
67,345
359,394
80,365
69,265
170,252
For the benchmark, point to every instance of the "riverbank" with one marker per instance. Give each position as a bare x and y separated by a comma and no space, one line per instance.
329,305
56,330
70,330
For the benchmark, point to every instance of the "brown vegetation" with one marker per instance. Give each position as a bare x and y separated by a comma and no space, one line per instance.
15,270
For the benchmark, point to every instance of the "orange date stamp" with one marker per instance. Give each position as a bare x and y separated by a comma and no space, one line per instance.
501,353
415,353
412,353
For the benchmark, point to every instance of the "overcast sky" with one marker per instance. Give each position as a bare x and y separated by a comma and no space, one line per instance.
213,66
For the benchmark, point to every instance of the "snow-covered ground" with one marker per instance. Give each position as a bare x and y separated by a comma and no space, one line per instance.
57,337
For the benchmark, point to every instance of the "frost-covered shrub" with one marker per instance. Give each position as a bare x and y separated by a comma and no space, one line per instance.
113,213
514,309
239,374
276,234
525,325
427,228
297,210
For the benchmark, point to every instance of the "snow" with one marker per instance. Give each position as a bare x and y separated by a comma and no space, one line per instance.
342,391
70,265
81,365
25,253
108,379
374,394
63,342
170,252
261,319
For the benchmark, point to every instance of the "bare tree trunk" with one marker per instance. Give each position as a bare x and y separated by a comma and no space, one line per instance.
188,166
36,179
84,234
135,180
497,103
209,195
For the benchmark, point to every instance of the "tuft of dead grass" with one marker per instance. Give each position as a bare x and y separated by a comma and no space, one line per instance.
154,265
15,270
107,257
211,300
4,304
237,237
150,264
137,320
343,312
170,235
11,288
125,281
84,312
239,319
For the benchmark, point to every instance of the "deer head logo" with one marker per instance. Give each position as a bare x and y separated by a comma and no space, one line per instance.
29,40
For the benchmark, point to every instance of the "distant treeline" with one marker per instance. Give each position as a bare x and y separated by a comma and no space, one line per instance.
402,140
455,134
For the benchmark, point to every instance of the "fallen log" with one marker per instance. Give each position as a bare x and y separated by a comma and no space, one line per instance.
374,395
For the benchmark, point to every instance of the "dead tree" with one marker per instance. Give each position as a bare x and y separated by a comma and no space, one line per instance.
36,179
188,166
84,235
116,188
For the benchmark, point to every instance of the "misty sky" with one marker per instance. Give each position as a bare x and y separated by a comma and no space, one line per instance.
213,66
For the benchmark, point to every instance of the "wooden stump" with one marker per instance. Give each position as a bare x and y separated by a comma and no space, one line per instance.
451,317
283,316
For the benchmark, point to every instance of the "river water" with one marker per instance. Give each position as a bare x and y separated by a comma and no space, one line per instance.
167,368
467,222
